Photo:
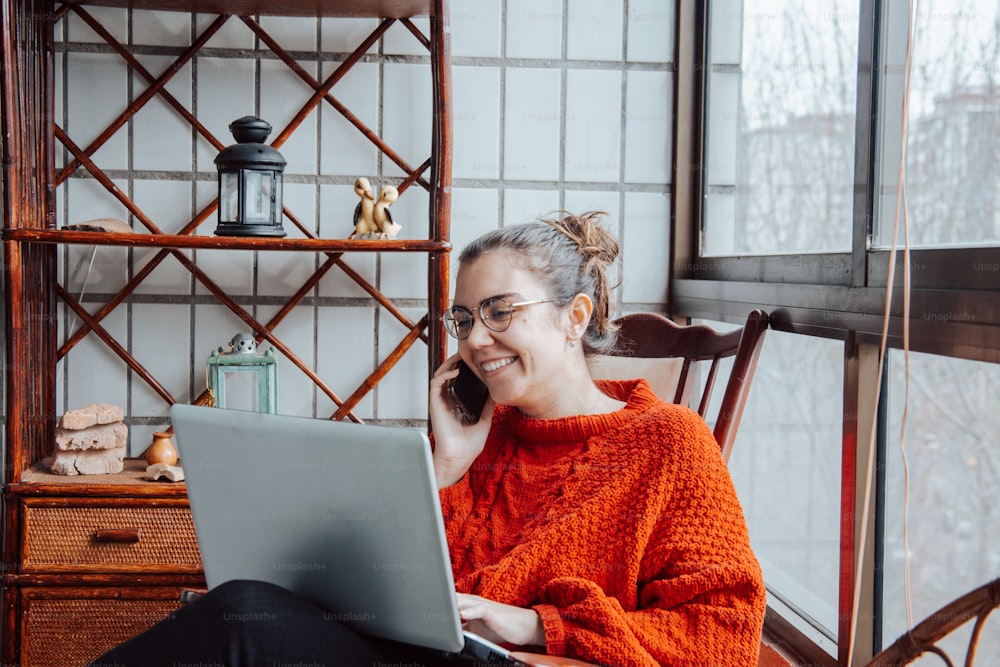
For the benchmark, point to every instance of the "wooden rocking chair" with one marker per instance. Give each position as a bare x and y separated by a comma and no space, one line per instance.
923,638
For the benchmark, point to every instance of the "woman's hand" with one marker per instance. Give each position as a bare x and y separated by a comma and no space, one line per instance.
500,623
456,442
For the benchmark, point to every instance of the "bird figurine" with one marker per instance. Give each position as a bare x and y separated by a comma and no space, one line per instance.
383,219
364,219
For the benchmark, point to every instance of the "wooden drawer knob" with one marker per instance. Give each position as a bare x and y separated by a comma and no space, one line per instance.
117,535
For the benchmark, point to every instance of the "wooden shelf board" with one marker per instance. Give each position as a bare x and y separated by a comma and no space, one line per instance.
221,242
38,481
340,8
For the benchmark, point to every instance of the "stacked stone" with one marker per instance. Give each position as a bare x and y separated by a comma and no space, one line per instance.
91,441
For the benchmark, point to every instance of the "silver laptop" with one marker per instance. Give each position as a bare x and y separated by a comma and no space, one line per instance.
344,514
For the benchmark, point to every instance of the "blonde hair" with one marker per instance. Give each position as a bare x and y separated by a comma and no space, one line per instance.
570,254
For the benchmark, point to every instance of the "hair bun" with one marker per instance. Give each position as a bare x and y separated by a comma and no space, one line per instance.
592,240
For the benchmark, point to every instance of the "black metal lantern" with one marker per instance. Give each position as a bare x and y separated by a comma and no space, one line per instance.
250,176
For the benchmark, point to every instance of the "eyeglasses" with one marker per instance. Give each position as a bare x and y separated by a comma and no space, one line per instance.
496,314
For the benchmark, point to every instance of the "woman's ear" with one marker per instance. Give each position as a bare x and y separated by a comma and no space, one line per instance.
580,309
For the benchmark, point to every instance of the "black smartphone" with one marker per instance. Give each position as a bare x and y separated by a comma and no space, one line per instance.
469,393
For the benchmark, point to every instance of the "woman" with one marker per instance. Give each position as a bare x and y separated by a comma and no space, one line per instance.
586,519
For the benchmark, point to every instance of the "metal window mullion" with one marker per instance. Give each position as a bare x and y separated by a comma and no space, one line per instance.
866,136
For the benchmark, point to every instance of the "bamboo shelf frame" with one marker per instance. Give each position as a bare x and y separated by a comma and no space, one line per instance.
30,235
30,240
187,241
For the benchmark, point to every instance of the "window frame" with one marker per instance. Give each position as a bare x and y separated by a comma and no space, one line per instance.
954,311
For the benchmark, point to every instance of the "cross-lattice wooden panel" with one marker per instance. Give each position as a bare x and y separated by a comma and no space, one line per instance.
433,174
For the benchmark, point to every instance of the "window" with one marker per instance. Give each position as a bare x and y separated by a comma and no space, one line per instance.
953,116
790,208
786,468
954,503
782,91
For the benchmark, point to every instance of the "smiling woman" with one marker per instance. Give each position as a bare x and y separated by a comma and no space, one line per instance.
586,519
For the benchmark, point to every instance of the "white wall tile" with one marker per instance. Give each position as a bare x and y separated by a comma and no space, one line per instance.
230,270
339,35
532,114
161,137
283,95
398,40
161,28
207,192
337,204
645,250
476,122
87,199
297,332
534,28
593,27
403,275
581,201
344,150
473,213
114,20
95,374
161,342
234,33
593,125
94,268
225,92
406,114
345,356
283,273
402,394
648,119
292,33
97,82
168,204
520,206
475,28
650,31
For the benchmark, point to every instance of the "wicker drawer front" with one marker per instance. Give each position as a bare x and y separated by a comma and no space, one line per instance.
68,632
140,538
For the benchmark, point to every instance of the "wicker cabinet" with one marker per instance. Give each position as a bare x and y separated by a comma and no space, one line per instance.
92,560
97,561
66,625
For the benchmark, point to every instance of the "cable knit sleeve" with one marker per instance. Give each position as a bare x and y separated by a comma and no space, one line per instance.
700,596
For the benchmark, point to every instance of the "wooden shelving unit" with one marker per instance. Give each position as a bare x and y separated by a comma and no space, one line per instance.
69,579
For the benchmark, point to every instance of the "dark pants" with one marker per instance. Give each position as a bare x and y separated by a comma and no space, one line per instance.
254,624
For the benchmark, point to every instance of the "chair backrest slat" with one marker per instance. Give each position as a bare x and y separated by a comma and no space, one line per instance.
651,336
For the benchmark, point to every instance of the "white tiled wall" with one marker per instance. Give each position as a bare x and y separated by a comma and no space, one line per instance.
558,104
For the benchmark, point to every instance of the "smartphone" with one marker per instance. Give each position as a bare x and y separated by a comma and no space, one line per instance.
469,393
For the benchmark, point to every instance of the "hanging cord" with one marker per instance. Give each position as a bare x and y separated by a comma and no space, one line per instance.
902,210
83,290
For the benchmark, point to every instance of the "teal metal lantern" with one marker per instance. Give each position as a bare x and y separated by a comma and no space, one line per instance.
240,377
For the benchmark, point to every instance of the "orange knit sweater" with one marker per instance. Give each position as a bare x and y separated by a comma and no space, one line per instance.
622,530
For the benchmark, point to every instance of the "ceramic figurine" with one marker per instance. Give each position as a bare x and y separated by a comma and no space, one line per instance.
364,221
383,219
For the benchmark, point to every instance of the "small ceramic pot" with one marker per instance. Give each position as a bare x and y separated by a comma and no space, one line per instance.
162,450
